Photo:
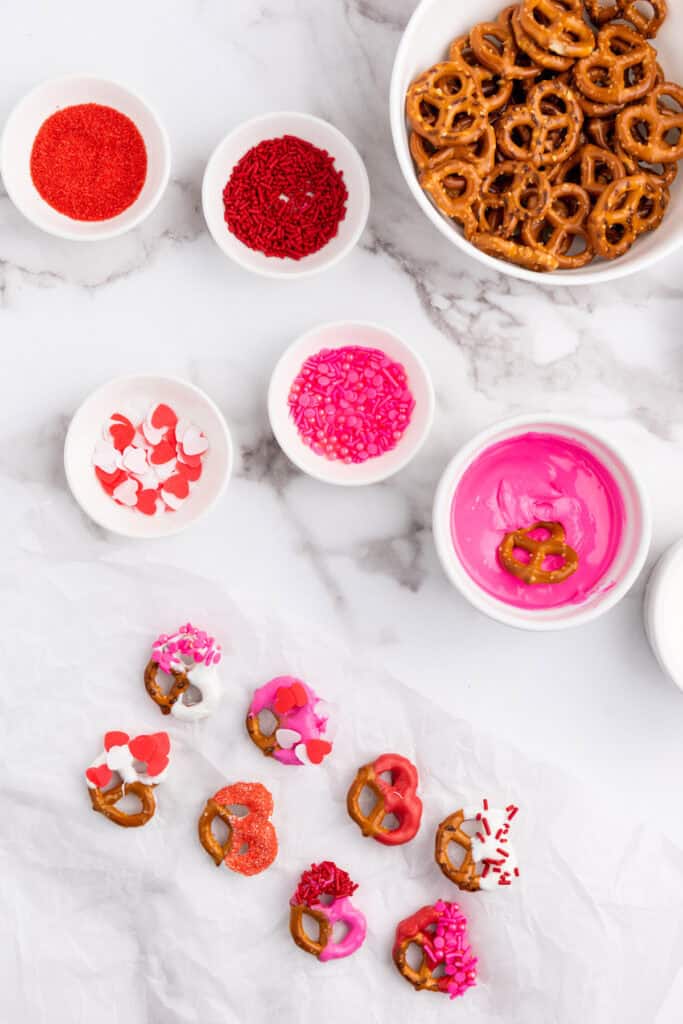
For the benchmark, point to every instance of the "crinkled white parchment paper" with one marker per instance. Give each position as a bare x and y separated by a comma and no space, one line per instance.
103,925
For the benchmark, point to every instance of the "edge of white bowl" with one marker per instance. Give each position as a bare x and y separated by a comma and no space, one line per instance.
108,233
498,610
355,236
275,396
230,448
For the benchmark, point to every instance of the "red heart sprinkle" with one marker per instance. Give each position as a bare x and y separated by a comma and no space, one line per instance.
162,454
284,700
115,739
189,460
190,473
156,765
99,776
110,481
147,502
300,695
151,749
171,438
163,742
316,750
178,486
163,416
122,432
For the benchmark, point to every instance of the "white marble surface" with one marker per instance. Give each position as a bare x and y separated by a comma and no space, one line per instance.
359,564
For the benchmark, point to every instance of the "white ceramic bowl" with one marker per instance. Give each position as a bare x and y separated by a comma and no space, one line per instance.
141,393
319,133
434,24
337,335
629,559
22,127
662,609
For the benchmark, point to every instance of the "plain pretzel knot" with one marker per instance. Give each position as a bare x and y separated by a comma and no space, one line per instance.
557,26
558,229
533,571
653,130
444,105
623,68
626,209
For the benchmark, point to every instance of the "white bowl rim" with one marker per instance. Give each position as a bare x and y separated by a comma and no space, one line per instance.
274,396
230,450
492,606
562,278
652,601
104,233
365,199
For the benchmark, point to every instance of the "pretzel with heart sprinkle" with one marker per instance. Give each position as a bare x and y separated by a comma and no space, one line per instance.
190,657
398,797
553,545
302,734
440,933
328,881
488,858
251,845
139,764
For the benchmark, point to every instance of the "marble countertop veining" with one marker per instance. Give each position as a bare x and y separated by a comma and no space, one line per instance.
359,563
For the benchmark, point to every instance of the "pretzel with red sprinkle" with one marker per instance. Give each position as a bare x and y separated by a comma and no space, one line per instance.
326,881
251,845
488,857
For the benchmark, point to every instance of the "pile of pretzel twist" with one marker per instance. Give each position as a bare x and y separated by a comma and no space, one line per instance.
550,135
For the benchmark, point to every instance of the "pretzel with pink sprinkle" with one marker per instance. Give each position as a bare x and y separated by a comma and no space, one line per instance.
447,964
190,657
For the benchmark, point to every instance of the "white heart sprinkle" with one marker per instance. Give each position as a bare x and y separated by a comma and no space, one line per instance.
106,457
135,460
153,434
180,428
301,753
172,500
194,442
127,492
119,758
164,471
287,738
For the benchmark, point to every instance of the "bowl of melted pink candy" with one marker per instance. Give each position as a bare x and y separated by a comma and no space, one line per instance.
350,403
541,523
147,456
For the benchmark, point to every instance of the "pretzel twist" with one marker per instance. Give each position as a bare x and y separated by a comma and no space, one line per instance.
622,68
453,185
543,58
563,222
494,45
648,26
178,687
494,89
444,105
626,209
514,252
600,13
104,802
251,845
398,798
464,875
644,129
532,572
592,167
557,26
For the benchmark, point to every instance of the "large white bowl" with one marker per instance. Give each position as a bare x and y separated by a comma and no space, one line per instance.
22,127
142,393
629,559
337,335
319,133
425,41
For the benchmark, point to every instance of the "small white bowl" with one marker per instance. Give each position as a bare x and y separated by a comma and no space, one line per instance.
663,610
433,26
337,335
629,559
23,125
142,393
319,133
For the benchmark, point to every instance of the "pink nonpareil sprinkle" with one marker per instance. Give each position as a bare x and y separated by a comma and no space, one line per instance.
448,946
351,404
188,645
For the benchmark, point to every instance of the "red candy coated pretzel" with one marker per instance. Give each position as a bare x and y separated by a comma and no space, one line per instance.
398,797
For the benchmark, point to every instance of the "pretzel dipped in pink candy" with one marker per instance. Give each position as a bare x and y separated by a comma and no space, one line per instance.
325,881
134,766
302,731
190,657
440,933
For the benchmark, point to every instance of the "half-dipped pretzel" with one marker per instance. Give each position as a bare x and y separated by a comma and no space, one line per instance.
302,732
190,657
397,797
251,845
138,764
446,963
487,858
328,881
551,546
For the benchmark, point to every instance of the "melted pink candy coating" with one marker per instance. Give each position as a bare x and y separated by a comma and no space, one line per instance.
343,910
305,721
518,481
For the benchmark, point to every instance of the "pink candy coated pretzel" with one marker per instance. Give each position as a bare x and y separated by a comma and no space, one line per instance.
302,720
326,880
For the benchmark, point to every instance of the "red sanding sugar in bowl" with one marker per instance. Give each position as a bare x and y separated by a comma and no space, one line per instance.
89,162
285,198
351,404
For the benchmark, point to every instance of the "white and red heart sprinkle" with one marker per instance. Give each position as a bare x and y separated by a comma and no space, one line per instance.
351,404
150,465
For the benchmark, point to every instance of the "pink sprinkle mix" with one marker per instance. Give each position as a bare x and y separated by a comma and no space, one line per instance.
448,946
351,404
